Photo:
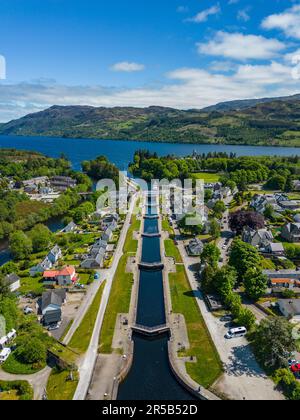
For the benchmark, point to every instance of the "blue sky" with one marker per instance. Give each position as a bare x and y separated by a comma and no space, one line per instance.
185,54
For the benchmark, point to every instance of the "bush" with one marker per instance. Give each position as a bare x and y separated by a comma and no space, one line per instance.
25,391
287,381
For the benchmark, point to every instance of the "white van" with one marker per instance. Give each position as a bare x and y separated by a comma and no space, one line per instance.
4,354
236,332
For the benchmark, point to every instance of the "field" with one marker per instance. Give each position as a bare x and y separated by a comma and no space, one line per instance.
207,177
26,208
60,387
172,251
208,367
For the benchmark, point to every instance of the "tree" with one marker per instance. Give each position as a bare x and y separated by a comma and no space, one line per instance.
32,351
243,256
219,208
225,280
20,245
40,236
289,186
277,182
207,279
273,341
210,255
215,229
241,219
246,318
4,287
269,212
255,283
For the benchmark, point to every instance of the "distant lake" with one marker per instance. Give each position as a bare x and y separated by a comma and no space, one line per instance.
121,152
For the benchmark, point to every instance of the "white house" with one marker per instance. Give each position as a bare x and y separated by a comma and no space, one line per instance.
55,254
290,308
13,281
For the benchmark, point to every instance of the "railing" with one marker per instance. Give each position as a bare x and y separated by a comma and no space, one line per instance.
158,329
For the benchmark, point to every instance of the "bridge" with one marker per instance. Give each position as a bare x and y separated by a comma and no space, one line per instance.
151,235
154,217
151,331
157,266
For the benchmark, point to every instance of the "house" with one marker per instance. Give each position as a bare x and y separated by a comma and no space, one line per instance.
4,354
41,180
260,202
195,247
291,232
259,238
109,219
62,183
282,274
55,254
290,308
292,205
275,249
71,227
65,277
95,260
51,306
13,281
46,264
282,283
107,235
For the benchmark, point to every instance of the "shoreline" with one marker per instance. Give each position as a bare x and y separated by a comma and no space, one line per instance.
171,142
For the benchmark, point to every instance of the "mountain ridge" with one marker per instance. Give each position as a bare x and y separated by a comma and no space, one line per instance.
270,122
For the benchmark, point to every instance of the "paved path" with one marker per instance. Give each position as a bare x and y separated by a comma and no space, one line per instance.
38,381
87,366
243,378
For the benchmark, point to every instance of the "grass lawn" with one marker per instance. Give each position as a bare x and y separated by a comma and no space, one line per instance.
12,395
131,244
84,278
66,330
172,251
208,367
166,227
208,178
82,336
119,302
15,367
60,387
32,285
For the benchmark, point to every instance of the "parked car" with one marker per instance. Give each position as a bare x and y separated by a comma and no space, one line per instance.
295,368
226,318
53,327
292,362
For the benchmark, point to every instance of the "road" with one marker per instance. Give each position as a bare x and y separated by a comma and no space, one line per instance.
38,380
88,364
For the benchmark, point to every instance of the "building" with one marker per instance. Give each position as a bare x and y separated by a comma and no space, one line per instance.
107,235
292,205
51,306
95,261
3,342
195,247
46,264
65,277
291,232
62,183
290,308
109,219
282,274
282,283
55,254
259,238
71,227
13,281
275,249
38,181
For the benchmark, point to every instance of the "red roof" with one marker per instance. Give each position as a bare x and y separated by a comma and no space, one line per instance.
67,271
282,281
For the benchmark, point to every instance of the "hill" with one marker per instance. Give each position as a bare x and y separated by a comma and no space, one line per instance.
266,123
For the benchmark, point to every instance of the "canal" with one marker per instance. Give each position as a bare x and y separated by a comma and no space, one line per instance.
150,377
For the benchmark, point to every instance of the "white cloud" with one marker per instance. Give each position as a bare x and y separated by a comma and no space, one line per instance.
204,15
127,67
241,47
243,14
185,88
287,21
